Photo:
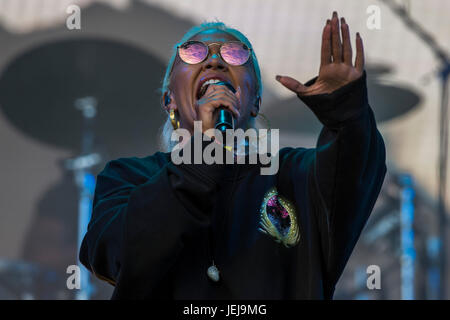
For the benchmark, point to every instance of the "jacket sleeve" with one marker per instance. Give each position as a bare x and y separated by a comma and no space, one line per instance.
141,213
344,173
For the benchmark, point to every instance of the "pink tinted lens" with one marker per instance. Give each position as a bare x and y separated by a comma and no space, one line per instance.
193,52
235,53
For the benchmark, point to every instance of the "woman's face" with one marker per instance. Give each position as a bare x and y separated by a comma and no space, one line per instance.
185,79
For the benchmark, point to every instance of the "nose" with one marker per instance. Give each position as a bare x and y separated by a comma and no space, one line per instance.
214,61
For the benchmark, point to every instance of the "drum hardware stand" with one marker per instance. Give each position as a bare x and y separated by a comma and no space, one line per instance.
85,180
443,73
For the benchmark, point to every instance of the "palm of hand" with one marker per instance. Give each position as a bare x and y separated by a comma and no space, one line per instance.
332,77
336,68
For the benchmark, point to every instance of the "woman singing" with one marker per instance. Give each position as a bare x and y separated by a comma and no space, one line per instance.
161,230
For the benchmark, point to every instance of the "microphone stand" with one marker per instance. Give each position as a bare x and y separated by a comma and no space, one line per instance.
443,73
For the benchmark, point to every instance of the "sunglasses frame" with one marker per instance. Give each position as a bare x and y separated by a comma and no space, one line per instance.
220,47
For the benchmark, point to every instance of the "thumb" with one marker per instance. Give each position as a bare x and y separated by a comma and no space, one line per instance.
291,84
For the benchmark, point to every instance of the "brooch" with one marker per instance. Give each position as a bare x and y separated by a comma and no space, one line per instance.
278,219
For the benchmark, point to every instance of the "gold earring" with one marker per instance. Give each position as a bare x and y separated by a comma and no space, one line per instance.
175,122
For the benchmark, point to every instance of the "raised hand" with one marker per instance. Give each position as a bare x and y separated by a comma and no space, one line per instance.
336,68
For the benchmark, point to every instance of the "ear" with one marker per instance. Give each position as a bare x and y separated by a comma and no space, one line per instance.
255,108
168,101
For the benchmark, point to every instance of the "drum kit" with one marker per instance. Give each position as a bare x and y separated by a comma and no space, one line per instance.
97,98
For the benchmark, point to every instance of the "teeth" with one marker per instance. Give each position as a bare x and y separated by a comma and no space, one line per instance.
210,81
204,87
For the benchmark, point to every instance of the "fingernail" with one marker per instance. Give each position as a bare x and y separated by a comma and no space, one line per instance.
334,14
278,78
358,35
328,21
342,20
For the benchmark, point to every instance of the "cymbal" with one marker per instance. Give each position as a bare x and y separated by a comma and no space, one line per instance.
387,102
38,91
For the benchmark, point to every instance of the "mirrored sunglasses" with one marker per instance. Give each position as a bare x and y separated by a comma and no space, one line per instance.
234,53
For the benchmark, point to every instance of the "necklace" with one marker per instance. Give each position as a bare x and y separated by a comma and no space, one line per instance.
212,271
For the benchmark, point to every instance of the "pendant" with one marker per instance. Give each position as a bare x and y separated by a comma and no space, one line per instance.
213,273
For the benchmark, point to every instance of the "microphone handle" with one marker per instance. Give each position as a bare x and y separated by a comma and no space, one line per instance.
224,121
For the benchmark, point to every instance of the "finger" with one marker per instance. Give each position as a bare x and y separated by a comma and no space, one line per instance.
212,103
224,88
359,61
220,89
238,94
218,102
326,44
336,39
216,96
346,43
291,84
219,96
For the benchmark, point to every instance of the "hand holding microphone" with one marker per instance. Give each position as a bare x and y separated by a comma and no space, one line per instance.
225,120
223,97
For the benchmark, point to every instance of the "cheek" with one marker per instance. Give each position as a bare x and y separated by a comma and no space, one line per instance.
181,78
249,84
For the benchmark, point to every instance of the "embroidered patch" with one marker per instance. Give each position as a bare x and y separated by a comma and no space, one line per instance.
279,219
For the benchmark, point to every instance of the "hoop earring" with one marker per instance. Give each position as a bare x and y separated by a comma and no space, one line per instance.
173,120
265,119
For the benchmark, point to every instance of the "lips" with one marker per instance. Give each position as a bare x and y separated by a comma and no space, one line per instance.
205,81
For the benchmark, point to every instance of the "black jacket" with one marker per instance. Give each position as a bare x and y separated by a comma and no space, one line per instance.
282,236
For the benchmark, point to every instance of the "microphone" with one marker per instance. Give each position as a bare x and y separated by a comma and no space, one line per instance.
225,120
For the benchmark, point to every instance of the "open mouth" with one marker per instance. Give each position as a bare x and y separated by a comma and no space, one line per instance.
207,82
